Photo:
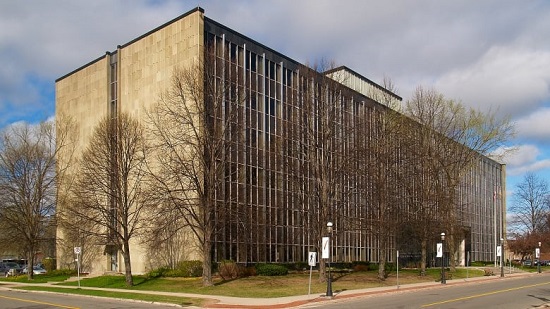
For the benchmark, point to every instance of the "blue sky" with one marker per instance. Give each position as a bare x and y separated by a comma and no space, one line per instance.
490,54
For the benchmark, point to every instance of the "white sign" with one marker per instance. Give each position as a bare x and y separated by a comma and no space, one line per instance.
312,260
439,249
537,253
77,250
499,251
325,248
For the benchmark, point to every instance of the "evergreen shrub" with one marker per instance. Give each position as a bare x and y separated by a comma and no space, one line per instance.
271,270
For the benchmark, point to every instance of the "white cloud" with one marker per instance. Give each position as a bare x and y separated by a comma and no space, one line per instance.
535,126
525,158
514,80
492,53
43,43
519,155
537,167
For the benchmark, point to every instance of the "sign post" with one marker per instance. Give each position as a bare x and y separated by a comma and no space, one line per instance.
77,251
467,264
397,263
312,261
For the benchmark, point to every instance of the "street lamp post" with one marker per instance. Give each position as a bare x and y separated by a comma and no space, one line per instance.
329,279
538,257
502,257
443,281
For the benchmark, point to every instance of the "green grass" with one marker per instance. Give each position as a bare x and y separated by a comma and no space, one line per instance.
37,278
267,287
249,287
182,301
534,269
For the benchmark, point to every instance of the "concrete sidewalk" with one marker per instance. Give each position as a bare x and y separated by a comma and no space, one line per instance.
217,301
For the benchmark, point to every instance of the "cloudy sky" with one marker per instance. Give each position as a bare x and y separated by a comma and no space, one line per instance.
490,54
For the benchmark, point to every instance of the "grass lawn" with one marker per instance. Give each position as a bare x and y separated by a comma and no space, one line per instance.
182,301
37,278
252,287
268,287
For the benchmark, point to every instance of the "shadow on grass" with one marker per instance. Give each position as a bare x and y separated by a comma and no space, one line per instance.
336,275
225,281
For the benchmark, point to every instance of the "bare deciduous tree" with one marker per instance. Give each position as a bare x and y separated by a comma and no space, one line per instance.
111,193
318,154
530,208
195,127
167,243
379,159
28,183
453,138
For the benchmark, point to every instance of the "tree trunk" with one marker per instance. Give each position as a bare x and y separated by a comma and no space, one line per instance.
207,262
452,252
127,264
424,257
382,264
322,270
30,263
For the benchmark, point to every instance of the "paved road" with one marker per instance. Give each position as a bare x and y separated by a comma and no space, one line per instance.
512,293
12,299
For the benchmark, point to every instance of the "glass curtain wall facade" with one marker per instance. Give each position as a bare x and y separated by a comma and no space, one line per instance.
267,215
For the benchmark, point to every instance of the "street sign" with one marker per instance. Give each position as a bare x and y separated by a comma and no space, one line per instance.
77,251
439,249
325,248
312,260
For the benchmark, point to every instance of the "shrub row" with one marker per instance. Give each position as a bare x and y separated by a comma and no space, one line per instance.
183,269
63,272
271,270
229,270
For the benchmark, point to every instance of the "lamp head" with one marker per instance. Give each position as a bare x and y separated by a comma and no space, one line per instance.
329,227
442,236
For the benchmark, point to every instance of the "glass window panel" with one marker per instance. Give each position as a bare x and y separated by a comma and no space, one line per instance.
253,62
261,65
271,70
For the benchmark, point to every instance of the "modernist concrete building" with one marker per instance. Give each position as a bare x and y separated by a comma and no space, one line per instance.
271,225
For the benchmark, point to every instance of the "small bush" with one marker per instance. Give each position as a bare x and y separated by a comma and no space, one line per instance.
246,271
157,273
271,270
228,270
189,269
341,265
183,269
62,272
389,267
373,266
299,266
481,263
360,266
49,264
488,272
